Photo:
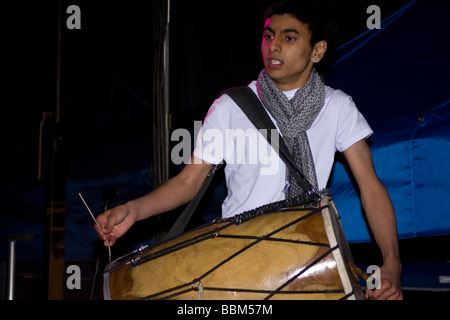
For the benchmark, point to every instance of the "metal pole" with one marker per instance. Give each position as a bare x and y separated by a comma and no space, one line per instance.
58,65
12,263
166,93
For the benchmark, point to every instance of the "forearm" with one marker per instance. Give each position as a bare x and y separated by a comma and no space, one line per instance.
177,191
375,200
381,217
169,196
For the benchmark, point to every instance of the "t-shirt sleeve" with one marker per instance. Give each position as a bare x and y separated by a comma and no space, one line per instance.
352,125
209,145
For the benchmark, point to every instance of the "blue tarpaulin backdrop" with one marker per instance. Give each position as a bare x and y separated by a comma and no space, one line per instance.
399,77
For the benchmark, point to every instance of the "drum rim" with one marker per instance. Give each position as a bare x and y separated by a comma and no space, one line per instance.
106,289
333,227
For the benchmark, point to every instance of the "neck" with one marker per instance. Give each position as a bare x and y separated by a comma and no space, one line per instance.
292,84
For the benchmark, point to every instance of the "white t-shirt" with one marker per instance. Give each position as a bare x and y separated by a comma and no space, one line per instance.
254,173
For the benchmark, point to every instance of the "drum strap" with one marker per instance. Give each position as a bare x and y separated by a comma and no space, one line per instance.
257,114
254,110
182,221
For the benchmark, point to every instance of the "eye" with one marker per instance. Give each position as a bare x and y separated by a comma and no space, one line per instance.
290,38
268,36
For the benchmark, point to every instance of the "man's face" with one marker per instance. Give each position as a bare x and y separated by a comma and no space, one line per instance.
287,51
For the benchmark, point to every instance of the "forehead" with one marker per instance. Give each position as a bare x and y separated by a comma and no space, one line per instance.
279,23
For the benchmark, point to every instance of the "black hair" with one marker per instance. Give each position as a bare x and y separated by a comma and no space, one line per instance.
317,14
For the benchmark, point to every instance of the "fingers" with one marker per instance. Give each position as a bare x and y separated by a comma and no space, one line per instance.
386,292
109,241
104,236
113,224
389,287
105,229
103,221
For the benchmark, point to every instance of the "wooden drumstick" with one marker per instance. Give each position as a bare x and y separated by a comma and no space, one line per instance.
98,225
357,271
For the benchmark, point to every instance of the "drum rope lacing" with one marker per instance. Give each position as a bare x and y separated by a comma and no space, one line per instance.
305,199
309,201
283,205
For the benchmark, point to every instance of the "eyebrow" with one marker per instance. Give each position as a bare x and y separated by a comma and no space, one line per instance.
282,31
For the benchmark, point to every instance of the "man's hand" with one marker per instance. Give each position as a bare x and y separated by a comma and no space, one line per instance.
114,223
390,286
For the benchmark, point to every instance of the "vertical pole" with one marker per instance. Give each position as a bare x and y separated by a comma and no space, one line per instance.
166,69
161,13
54,230
12,268
161,18
58,65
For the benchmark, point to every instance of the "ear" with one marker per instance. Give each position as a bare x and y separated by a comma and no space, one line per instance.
319,51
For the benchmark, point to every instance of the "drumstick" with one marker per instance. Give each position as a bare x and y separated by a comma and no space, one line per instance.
357,271
98,225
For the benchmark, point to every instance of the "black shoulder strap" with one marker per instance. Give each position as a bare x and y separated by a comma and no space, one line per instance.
184,218
247,100
252,107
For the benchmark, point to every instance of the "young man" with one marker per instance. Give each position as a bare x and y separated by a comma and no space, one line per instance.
314,121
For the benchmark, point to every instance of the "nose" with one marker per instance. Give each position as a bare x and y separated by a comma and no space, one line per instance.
274,45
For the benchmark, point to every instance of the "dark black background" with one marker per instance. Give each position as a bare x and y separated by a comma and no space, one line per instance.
214,45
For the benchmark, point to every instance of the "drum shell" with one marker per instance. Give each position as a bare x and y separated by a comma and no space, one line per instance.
295,253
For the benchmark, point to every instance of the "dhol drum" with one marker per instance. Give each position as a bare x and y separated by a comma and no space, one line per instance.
292,253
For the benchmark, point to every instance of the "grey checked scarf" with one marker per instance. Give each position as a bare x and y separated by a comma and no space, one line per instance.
293,118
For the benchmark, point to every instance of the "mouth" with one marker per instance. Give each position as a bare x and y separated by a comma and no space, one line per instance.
274,63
